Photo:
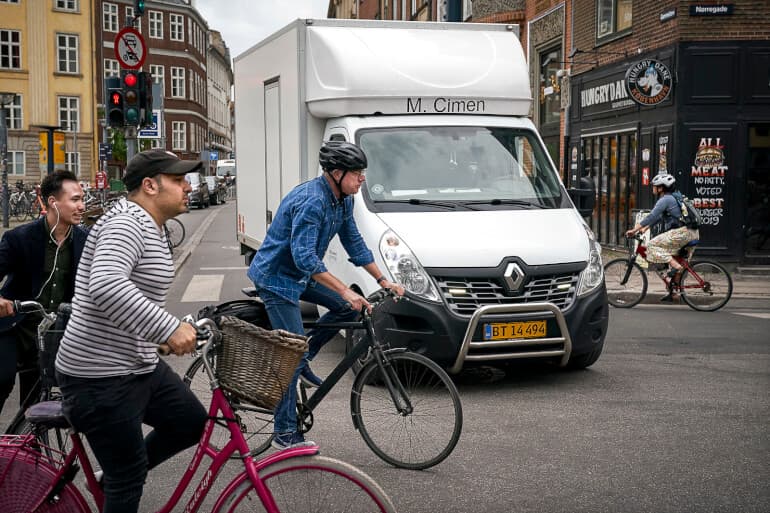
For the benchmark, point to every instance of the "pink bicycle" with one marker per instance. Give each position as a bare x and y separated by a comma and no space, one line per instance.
36,478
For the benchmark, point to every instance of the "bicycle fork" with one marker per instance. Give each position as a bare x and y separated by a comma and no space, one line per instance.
389,375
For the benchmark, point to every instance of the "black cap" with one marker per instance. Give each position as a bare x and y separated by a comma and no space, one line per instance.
153,162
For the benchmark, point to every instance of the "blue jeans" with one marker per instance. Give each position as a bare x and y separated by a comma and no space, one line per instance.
287,316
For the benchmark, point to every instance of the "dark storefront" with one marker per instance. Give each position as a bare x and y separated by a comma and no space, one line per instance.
706,121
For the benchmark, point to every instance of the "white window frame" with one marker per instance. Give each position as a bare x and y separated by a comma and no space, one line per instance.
179,135
15,114
130,14
109,17
16,161
9,1
178,86
176,27
7,49
158,74
612,8
111,68
155,20
72,162
70,63
69,113
193,136
66,5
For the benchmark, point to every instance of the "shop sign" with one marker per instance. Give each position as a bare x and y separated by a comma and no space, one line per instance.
648,82
708,175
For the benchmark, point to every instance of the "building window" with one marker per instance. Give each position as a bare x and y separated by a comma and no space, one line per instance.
176,27
9,1
177,83
69,113
10,49
613,17
178,135
111,68
15,163
130,16
72,162
550,93
110,17
156,24
67,51
67,5
14,113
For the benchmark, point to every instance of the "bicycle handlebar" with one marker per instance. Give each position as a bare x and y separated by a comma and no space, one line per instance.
381,295
205,332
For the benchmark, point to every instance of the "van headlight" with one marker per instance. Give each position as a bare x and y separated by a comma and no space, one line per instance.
405,268
593,274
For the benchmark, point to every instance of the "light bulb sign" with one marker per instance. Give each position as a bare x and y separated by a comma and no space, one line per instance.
130,49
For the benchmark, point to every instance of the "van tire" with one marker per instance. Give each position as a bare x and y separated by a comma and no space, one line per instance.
584,360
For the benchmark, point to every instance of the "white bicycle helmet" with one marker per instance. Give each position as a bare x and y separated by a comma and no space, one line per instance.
665,180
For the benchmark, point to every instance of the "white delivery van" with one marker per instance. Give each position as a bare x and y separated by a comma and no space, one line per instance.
461,203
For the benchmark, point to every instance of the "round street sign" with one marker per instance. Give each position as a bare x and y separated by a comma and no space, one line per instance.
130,49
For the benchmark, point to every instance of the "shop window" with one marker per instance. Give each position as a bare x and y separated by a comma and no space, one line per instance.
550,94
613,17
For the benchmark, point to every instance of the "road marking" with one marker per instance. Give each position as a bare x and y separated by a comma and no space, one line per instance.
236,268
203,287
759,315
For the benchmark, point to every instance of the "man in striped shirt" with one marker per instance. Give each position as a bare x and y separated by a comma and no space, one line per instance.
111,378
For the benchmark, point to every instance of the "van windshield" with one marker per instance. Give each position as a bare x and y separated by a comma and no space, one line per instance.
458,167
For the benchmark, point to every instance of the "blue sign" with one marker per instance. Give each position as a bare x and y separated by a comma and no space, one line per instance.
214,155
152,131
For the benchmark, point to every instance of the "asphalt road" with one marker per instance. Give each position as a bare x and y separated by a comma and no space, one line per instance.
672,418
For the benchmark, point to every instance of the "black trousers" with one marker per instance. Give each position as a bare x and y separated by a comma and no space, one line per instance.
18,354
110,413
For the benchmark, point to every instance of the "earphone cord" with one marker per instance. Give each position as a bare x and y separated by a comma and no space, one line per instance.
56,254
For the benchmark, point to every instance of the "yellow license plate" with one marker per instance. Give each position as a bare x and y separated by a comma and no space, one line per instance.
512,330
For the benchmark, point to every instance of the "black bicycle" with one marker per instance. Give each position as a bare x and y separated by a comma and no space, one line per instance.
405,406
49,333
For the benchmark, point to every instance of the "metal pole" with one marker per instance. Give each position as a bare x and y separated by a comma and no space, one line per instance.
50,150
130,143
4,153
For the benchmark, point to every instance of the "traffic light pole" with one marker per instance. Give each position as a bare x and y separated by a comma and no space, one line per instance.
130,135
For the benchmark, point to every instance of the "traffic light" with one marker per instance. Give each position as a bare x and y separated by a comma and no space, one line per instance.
131,95
114,101
145,99
138,7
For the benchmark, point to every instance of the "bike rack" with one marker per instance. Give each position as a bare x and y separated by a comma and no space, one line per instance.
468,342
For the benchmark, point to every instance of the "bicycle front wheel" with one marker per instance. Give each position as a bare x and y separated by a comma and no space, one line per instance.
312,483
176,232
706,286
426,432
626,283
255,423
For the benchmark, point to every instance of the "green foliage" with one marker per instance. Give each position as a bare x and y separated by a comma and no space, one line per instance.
118,141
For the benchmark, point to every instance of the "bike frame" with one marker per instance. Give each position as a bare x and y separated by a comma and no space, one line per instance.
641,250
219,410
392,382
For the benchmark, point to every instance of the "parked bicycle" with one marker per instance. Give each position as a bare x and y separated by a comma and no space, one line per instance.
403,404
703,285
292,480
49,333
175,232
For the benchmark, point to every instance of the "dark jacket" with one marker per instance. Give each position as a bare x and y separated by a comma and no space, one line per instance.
22,258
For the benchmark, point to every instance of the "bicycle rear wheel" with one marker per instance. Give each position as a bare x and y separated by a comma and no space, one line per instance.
26,477
420,438
626,286
176,232
256,423
706,287
312,483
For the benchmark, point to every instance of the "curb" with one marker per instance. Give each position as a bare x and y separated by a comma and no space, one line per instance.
192,243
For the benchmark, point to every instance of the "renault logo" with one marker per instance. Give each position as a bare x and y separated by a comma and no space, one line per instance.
513,277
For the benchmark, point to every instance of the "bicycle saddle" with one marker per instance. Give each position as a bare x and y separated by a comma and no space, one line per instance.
47,414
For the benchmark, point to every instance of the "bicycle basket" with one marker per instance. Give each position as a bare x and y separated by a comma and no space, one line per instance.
255,364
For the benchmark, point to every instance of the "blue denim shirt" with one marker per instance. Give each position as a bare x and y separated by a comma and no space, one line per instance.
307,220
667,209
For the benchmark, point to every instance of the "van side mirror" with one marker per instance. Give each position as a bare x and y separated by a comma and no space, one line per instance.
584,197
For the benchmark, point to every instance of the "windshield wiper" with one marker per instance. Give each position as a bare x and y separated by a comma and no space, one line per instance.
416,201
497,201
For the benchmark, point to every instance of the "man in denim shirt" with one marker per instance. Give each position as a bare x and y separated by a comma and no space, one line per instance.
289,265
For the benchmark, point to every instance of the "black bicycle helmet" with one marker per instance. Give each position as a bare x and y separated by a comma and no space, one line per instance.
341,155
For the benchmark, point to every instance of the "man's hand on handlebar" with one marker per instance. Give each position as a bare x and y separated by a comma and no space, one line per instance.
397,288
356,301
6,308
183,340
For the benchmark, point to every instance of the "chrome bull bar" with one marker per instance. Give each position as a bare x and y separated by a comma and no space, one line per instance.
468,342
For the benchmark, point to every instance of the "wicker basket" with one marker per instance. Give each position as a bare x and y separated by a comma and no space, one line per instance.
255,364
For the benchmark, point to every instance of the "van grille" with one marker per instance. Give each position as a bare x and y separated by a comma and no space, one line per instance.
465,295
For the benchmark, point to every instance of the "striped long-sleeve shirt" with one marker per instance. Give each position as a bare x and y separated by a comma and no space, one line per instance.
118,316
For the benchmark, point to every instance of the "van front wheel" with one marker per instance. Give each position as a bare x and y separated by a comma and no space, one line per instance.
584,360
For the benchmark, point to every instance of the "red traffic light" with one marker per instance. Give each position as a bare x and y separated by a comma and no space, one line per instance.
130,79
116,99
